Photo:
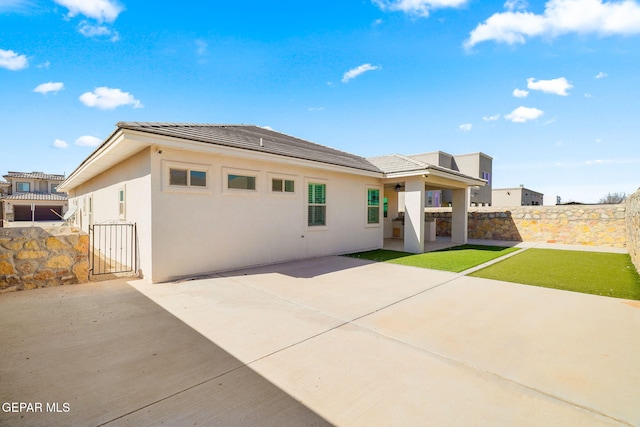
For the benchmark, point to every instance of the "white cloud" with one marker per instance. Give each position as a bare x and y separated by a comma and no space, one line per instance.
12,61
491,118
15,5
559,17
601,75
201,47
557,86
587,95
466,127
45,88
107,99
417,7
88,141
520,93
524,114
45,64
100,10
515,5
88,29
58,143
355,72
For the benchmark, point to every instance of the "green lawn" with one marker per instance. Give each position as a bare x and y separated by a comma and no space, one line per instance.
596,273
454,259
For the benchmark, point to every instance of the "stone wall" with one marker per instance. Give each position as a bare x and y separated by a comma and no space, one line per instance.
633,227
593,225
34,257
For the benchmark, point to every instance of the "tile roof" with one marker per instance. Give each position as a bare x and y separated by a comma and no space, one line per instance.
34,175
249,137
36,196
394,163
397,163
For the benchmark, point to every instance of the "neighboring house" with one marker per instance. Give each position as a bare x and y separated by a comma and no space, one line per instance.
517,196
477,165
209,198
32,195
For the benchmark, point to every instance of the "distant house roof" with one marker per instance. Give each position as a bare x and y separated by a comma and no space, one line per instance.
399,164
36,196
255,138
34,175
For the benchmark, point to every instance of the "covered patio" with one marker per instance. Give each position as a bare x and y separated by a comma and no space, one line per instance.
407,181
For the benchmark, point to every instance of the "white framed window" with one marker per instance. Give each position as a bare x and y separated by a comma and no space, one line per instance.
23,187
54,188
185,177
487,176
282,185
373,206
240,181
122,200
316,204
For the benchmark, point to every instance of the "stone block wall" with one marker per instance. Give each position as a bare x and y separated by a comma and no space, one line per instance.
34,257
592,225
633,227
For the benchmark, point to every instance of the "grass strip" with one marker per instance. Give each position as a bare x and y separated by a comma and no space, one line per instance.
456,259
598,273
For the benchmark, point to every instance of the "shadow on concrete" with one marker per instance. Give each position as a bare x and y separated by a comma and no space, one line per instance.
104,354
302,269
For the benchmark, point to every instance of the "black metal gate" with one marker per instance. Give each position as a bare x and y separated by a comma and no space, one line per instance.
112,248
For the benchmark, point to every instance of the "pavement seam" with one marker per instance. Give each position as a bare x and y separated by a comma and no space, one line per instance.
242,365
425,350
491,373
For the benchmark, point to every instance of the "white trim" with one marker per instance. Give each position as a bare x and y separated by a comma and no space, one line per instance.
226,171
307,181
276,175
167,165
368,187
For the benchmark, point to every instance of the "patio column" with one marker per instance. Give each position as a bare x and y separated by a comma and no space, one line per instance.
414,215
459,215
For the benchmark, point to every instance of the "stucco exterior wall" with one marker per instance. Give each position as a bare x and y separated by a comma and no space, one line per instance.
633,227
98,202
598,225
197,232
35,257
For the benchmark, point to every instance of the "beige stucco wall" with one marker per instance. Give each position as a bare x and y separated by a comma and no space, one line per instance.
134,175
633,227
217,229
598,225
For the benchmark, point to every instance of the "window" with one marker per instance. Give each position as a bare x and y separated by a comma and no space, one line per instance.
121,203
241,182
282,185
54,188
187,177
23,187
373,206
317,205
487,176
385,207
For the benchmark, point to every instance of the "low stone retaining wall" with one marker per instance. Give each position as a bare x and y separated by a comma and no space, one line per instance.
633,227
592,225
36,257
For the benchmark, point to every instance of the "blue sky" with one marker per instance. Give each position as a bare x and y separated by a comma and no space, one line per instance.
550,90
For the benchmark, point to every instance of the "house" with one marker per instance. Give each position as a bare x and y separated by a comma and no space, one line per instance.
477,165
28,196
517,196
209,198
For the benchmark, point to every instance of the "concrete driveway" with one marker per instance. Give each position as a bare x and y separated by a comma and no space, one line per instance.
329,340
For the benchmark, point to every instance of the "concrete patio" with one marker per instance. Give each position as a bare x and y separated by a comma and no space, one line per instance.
329,340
